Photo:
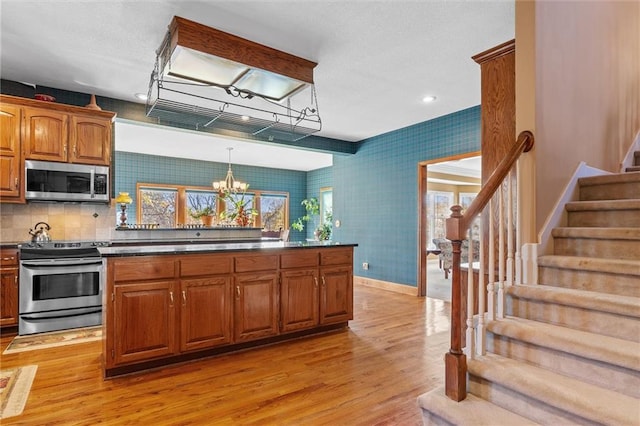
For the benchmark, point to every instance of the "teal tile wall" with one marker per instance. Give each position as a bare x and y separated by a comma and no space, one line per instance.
316,179
131,168
375,192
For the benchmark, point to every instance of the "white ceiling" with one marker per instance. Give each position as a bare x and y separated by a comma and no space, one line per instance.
376,59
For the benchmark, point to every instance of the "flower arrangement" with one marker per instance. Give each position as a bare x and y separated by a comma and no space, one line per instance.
237,207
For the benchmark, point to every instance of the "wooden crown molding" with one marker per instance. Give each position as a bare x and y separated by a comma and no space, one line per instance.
495,52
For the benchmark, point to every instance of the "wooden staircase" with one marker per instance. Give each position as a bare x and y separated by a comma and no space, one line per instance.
568,350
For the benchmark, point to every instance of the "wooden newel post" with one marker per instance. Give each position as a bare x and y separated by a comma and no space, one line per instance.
455,360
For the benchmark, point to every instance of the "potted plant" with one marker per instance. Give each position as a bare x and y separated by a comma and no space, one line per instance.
237,209
205,214
312,207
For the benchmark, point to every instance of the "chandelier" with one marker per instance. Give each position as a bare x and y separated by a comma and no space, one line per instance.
229,183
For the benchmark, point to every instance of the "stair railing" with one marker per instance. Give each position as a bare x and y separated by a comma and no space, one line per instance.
492,212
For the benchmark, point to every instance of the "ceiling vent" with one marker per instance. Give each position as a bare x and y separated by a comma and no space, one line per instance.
210,80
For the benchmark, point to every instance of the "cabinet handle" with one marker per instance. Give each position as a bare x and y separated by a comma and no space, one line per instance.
316,280
184,298
64,150
16,184
6,259
74,150
324,283
171,297
238,291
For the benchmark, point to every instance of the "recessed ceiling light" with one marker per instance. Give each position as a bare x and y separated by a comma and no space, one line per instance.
245,118
428,99
141,96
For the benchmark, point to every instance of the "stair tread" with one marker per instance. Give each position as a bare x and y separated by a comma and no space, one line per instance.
605,302
582,399
472,410
603,205
594,264
611,350
597,232
607,179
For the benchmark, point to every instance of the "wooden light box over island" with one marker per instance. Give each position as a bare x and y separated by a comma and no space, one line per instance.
175,303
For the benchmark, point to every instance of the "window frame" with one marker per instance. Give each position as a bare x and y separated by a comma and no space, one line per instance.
181,200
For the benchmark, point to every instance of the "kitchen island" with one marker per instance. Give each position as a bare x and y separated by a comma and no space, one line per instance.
167,303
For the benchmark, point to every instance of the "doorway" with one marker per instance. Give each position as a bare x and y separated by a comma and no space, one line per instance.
442,183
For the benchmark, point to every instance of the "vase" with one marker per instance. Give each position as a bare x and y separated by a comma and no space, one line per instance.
206,220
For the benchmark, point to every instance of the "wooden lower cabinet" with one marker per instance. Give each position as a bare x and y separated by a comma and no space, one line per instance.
336,298
8,287
161,307
144,321
299,294
205,317
256,306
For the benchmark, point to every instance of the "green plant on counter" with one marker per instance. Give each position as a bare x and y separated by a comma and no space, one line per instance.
312,207
205,211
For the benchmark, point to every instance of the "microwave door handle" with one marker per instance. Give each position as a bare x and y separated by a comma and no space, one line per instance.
92,184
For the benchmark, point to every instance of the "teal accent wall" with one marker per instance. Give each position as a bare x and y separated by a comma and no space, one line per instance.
375,192
131,168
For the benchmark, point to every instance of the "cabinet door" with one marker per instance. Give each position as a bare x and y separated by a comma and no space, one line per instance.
90,141
205,312
256,306
10,151
299,299
8,287
144,319
336,294
45,135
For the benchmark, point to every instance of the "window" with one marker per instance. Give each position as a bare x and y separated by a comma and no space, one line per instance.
171,206
326,205
273,211
157,205
438,210
466,198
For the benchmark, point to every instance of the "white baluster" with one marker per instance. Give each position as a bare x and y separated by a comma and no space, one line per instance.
501,254
480,333
518,279
510,267
470,292
492,268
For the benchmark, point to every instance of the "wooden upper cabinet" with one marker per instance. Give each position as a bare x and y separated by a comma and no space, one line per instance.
10,153
90,140
50,131
45,135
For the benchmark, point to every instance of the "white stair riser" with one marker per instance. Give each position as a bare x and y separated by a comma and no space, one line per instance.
608,324
596,372
603,282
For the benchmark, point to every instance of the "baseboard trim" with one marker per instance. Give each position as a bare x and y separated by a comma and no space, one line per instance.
386,285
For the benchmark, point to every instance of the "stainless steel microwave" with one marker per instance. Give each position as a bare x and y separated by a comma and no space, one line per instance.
50,181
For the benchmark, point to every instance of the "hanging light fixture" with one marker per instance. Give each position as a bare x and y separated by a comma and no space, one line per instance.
229,183
213,81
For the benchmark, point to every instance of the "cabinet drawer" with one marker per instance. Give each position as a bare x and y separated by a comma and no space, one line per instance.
256,263
192,266
336,257
8,257
299,259
139,269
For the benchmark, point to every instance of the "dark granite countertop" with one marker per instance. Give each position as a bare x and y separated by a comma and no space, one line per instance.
160,249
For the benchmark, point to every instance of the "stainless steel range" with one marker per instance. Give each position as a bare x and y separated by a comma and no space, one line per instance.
61,286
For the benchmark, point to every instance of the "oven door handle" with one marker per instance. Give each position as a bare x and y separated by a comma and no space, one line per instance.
49,315
61,262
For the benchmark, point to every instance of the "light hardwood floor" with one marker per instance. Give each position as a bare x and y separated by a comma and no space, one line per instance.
368,374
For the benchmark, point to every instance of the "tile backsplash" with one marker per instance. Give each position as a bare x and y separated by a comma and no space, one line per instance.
68,221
